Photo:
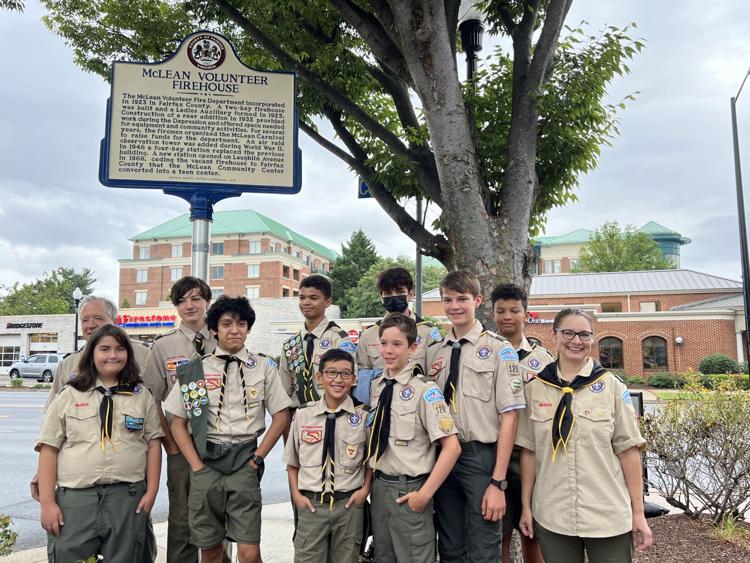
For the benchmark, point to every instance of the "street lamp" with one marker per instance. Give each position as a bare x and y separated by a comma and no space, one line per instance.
77,294
472,30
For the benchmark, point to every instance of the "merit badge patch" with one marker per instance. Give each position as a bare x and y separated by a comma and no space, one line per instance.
325,344
197,411
311,434
508,354
351,451
597,387
184,388
354,419
133,424
626,398
516,384
186,396
435,335
347,346
192,385
483,352
407,393
194,394
433,395
534,363
204,400
200,383
446,423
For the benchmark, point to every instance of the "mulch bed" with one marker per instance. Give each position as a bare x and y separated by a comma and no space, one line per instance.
679,539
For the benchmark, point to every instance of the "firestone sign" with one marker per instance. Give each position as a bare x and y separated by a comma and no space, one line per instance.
201,119
141,321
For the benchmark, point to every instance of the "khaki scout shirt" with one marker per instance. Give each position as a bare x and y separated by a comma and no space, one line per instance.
419,419
304,448
325,339
72,425
368,350
69,367
242,408
583,492
534,360
489,382
169,351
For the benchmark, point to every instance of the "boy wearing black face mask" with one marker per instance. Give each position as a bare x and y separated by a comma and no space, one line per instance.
396,288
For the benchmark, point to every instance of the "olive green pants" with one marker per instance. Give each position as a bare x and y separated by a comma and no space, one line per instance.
331,534
400,534
558,548
179,547
100,520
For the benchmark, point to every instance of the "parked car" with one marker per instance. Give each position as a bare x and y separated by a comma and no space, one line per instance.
41,367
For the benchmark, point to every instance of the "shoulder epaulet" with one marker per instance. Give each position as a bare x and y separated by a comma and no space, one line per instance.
494,335
343,334
308,404
260,354
66,355
435,343
165,334
417,371
533,345
361,406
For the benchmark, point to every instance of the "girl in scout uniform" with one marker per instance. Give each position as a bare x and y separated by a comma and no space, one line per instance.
580,465
100,445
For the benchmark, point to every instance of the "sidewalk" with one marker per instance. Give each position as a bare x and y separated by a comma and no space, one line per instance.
275,545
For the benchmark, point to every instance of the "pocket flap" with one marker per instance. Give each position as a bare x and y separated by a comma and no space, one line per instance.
82,414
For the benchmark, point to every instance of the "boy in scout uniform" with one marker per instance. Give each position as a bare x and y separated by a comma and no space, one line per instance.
479,375
509,311
223,397
408,419
396,289
190,296
302,352
325,456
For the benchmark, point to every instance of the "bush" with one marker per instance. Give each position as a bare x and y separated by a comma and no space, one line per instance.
667,380
718,363
16,382
635,380
744,368
714,381
699,451
7,536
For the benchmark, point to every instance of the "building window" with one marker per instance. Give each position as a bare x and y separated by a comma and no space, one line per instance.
140,297
654,353
252,292
295,274
217,292
217,272
144,253
9,354
285,272
175,274
254,247
296,253
307,259
273,246
295,293
177,251
253,270
650,306
217,248
610,353
285,292
141,276
552,266
45,337
613,307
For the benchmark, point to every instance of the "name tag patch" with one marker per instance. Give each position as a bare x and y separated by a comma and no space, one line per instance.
133,424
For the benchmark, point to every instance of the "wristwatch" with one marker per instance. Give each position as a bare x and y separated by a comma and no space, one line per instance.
502,485
257,460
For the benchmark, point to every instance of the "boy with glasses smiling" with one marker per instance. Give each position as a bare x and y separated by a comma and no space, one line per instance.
325,461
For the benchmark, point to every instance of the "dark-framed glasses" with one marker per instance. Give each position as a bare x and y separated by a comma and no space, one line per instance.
332,374
584,335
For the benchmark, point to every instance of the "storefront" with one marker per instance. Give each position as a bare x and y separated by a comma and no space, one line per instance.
22,336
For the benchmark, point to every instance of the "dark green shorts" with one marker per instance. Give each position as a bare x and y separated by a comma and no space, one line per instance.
224,506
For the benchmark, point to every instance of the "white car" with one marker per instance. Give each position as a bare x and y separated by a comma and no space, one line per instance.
41,367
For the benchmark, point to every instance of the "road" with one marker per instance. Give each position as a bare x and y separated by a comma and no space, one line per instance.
20,418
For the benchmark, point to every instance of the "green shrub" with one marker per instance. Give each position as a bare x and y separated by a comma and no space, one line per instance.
634,380
16,382
718,363
714,381
744,368
667,380
7,536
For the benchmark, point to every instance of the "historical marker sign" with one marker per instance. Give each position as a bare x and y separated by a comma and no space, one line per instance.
201,119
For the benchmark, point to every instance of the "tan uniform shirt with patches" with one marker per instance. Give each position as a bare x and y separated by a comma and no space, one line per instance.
583,491
69,367
368,349
304,448
239,415
489,382
72,425
532,359
419,419
325,339
169,351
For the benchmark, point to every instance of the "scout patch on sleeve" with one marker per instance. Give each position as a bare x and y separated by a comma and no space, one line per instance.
435,335
272,363
347,346
433,395
516,384
311,434
446,423
133,424
370,418
626,398
213,381
508,354
436,366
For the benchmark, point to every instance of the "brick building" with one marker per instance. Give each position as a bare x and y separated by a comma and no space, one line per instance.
251,255
645,322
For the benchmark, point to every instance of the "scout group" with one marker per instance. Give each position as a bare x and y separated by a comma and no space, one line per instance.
437,445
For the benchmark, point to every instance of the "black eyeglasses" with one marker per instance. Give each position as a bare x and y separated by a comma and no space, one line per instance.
332,374
584,335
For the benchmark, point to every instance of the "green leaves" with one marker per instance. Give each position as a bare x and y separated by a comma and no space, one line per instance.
50,295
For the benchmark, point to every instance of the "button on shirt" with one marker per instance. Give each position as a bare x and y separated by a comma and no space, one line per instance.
304,448
72,425
583,492
168,352
419,419
489,382
242,409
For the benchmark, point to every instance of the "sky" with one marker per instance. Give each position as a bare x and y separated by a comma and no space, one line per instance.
672,162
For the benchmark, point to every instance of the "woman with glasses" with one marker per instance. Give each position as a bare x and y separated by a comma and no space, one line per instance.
580,464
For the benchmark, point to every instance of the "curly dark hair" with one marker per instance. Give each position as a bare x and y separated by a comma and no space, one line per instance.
238,307
85,379
321,283
393,278
510,291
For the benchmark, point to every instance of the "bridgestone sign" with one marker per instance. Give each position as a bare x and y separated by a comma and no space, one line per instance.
201,119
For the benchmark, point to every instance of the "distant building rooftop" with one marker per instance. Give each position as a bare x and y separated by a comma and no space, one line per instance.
582,236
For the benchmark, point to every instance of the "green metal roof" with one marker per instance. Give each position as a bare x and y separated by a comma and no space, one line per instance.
656,230
582,236
232,223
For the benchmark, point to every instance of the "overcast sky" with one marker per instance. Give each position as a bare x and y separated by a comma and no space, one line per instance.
672,162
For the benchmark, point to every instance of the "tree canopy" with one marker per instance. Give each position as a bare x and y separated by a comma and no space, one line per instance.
357,256
614,250
52,294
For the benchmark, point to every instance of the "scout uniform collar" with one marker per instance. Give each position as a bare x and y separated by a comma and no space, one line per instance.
320,328
299,353
107,407
190,334
403,377
472,336
562,422
241,359
321,407
525,344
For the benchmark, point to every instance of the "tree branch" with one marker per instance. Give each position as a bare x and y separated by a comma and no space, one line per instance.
327,144
545,46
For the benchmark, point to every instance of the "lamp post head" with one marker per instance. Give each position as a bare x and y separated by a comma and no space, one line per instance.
471,27
77,294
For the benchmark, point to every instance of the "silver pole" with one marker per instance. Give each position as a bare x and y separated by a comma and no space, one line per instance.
199,255
418,267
